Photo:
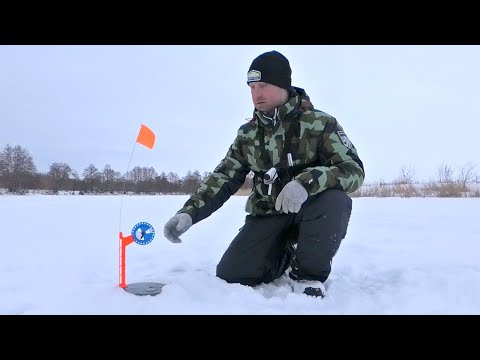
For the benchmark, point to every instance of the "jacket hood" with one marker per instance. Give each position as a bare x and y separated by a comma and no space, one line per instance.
305,103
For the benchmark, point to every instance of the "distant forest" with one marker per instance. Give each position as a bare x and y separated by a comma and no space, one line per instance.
18,174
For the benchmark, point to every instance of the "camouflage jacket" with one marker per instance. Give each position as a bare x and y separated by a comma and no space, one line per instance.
323,158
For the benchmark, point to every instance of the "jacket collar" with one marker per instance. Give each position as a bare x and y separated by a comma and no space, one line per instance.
285,111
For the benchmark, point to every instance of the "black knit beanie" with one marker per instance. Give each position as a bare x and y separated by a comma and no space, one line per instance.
271,67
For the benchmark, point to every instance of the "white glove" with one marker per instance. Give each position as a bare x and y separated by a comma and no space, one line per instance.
291,198
176,226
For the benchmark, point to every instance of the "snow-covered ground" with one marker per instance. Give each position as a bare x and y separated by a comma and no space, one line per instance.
400,256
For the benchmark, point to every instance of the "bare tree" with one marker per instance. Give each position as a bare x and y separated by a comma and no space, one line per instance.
109,178
191,182
161,183
407,175
59,176
149,180
143,179
445,174
135,175
16,166
466,176
175,182
74,177
91,178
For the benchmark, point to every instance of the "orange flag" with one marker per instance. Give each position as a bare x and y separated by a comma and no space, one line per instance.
146,137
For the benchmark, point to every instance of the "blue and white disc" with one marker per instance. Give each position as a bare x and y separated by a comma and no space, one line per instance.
143,233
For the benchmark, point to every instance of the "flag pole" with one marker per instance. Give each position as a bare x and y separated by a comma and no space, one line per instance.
124,185
145,137
121,246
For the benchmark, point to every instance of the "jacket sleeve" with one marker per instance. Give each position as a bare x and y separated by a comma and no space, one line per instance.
226,180
340,168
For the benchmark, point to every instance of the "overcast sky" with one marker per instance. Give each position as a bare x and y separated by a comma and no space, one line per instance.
413,106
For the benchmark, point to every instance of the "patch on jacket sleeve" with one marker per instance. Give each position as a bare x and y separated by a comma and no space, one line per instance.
345,140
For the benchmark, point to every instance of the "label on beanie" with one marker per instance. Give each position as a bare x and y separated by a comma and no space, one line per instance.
254,75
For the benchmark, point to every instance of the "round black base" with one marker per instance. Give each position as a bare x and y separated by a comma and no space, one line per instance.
144,288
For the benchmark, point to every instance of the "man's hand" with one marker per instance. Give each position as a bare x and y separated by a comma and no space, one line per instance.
176,226
291,198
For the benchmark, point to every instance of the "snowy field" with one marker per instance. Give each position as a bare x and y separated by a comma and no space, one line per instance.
400,256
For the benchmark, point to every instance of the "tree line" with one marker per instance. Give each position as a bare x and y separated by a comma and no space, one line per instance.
18,174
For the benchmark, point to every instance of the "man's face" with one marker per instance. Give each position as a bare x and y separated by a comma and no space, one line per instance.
266,97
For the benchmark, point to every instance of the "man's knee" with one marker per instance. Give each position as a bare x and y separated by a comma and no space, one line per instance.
233,272
253,273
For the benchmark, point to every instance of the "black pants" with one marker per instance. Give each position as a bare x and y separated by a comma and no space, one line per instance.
262,250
